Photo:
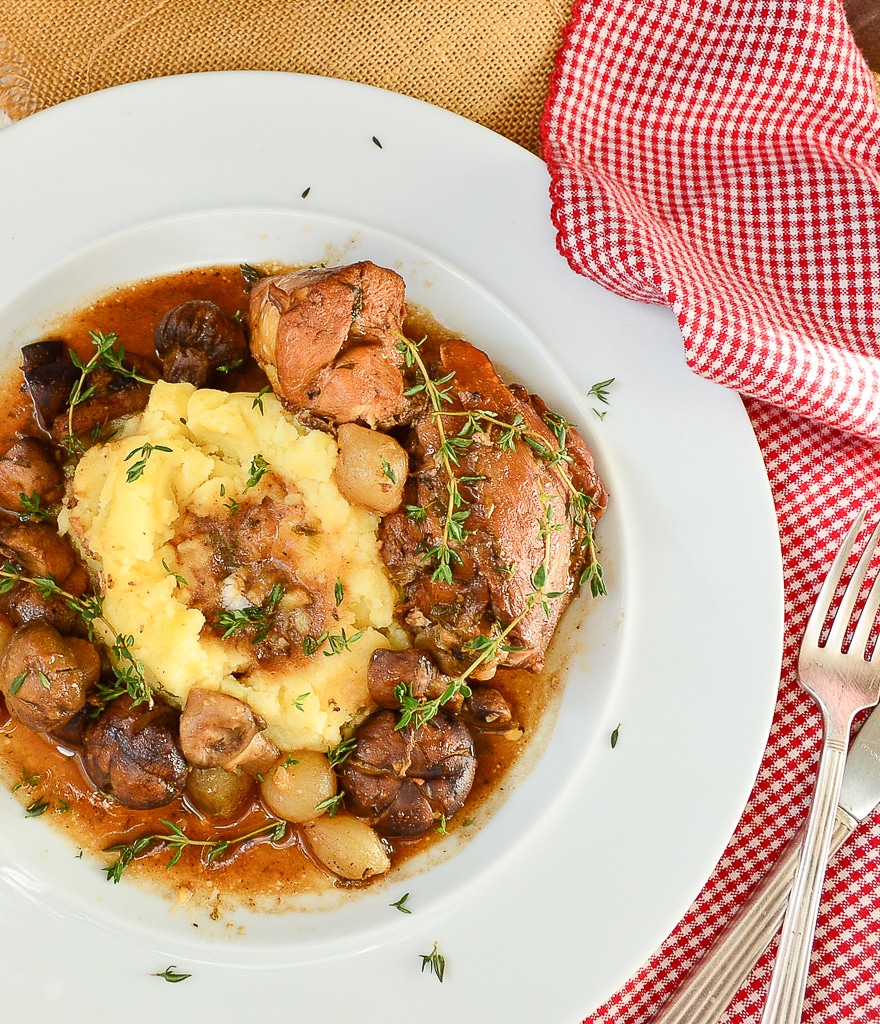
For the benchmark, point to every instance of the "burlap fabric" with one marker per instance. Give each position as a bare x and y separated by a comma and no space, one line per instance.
488,60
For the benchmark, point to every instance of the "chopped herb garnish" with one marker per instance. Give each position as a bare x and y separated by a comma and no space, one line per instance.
258,399
258,469
33,508
599,391
341,752
109,354
331,805
337,642
250,274
298,701
257,616
435,962
401,904
376,142
338,593
181,580
615,735
172,974
136,469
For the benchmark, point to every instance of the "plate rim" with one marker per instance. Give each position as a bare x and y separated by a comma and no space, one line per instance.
144,99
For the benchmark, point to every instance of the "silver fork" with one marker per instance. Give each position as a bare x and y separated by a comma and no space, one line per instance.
843,680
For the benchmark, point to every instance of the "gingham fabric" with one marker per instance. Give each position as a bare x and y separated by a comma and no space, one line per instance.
724,158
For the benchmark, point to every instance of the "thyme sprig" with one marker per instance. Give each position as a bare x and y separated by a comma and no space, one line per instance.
438,393
136,469
128,671
579,501
416,712
109,354
177,841
435,962
258,616
479,423
338,642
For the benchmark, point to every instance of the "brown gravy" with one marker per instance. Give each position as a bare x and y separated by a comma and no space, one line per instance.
47,777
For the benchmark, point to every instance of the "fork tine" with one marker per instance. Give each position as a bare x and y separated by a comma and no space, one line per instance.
865,625
832,580
844,613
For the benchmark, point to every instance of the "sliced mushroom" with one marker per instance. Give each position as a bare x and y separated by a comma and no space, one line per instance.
403,780
45,677
218,730
196,340
131,752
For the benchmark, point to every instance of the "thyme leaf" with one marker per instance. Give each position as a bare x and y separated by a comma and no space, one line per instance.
258,469
401,904
257,616
172,974
435,962
136,469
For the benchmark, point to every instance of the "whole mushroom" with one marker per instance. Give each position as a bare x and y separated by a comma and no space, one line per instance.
402,781
196,340
218,730
45,677
132,753
29,471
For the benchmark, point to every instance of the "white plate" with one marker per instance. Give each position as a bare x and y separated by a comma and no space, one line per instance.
598,851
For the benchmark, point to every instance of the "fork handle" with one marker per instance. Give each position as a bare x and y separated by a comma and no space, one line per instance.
789,981
708,990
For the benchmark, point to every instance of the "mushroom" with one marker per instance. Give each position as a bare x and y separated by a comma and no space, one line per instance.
29,471
132,753
488,708
218,730
413,669
403,780
50,377
196,340
41,553
45,677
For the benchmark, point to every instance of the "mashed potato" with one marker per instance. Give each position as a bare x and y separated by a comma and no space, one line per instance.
212,509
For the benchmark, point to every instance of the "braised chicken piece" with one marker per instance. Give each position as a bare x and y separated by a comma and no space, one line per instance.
403,781
520,515
326,339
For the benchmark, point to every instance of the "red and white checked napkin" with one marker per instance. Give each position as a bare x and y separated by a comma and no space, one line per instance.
723,158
